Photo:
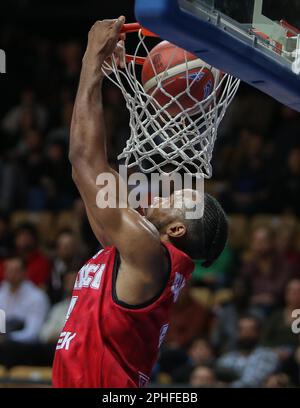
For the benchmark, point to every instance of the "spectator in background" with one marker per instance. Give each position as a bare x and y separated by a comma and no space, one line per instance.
200,353
29,114
277,332
203,377
26,246
53,325
170,360
286,187
249,175
67,257
60,187
280,380
249,364
297,362
70,54
30,142
5,236
189,319
267,271
62,132
285,134
12,185
286,243
277,328
29,155
224,334
6,241
25,305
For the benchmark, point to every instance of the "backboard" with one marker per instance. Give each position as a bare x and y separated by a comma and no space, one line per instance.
257,41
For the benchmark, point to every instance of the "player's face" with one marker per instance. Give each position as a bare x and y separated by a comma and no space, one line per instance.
161,212
165,210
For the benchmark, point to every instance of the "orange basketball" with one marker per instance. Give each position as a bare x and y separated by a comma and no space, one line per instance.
178,70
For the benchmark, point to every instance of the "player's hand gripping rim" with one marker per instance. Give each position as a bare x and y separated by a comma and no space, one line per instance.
106,44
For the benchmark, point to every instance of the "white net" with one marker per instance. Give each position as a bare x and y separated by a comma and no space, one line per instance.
161,142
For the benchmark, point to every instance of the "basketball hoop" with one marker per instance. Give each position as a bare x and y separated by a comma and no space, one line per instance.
161,142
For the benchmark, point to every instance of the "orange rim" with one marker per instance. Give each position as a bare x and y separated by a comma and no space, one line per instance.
134,28
137,60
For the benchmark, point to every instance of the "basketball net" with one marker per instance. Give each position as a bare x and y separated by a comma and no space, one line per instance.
158,141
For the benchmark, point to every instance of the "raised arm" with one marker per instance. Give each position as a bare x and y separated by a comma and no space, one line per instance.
142,256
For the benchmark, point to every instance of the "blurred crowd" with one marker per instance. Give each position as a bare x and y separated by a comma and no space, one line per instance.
232,327
245,336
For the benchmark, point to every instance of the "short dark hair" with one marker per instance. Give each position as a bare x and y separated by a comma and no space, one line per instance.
206,237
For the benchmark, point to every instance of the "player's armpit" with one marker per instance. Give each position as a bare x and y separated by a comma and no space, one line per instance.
134,236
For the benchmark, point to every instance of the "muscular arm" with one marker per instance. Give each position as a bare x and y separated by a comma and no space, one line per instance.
143,263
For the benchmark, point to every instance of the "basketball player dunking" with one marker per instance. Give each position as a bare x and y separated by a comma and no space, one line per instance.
119,312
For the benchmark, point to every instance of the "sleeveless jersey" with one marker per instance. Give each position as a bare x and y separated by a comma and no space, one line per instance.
107,344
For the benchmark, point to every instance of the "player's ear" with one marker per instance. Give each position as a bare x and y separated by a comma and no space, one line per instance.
176,229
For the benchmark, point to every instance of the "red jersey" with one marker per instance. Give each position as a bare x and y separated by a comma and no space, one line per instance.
107,344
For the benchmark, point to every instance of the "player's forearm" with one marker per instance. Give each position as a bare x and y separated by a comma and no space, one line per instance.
88,134
88,139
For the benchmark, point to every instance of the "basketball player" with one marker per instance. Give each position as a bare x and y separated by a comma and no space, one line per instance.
119,312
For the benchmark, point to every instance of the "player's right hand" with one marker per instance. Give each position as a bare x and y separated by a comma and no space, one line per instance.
104,37
119,58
